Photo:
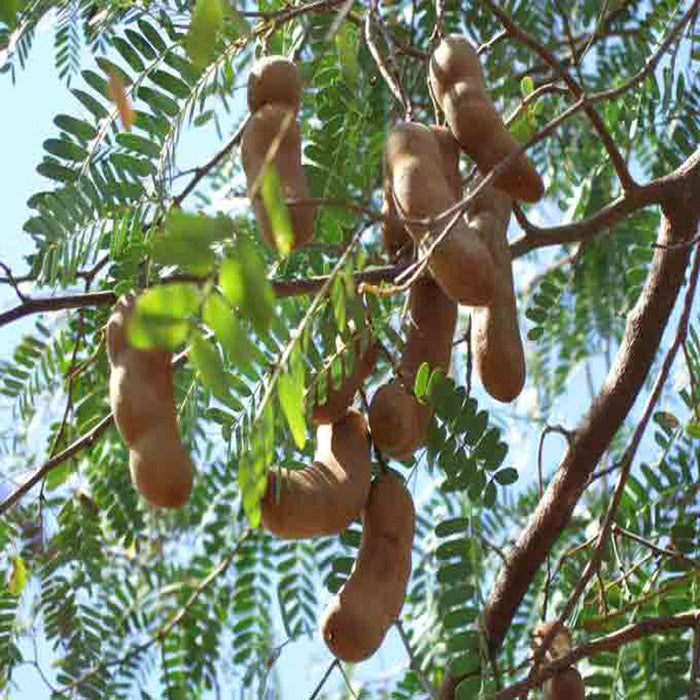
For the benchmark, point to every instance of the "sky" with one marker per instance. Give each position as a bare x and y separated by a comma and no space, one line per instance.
25,122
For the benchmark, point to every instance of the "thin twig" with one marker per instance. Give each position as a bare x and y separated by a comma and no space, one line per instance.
323,680
661,551
390,79
413,661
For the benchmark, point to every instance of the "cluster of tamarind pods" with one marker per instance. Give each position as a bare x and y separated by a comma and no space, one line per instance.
469,263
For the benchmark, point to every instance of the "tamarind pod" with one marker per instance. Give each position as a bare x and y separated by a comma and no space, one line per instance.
324,498
460,264
160,467
358,617
274,80
338,400
457,84
559,646
567,685
398,420
143,404
270,123
499,356
449,150
395,237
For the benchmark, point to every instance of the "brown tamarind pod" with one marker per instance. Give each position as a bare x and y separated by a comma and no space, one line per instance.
338,400
325,497
450,151
567,685
414,169
274,126
143,404
274,80
499,356
358,617
398,420
457,84
397,241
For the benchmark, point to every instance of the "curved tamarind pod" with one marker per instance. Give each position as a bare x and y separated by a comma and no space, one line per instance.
460,264
143,403
271,123
395,237
324,498
358,617
567,685
499,356
449,150
338,400
457,84
274,80
398,420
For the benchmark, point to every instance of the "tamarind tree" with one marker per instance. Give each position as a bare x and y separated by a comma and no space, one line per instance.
577,502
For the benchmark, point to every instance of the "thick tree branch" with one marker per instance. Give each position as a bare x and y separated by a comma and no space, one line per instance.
643,333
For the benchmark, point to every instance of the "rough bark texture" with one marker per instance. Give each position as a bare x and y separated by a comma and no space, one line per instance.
645,326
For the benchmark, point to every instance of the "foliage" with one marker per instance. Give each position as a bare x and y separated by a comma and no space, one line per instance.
200,601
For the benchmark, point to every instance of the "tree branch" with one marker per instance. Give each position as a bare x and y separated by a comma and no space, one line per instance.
281,288
645,628
643,333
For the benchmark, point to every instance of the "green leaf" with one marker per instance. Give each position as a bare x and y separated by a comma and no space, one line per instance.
337,296
527,86
91,104
200,42
276,210
420,386
137,143
693,429
244,283
78,128
187,240
174,85
290,389
535,333
162,316
452,548
346,44
158,102
127,52
452,527
469,688
54,171
232,281
18,576
464,664
206,360
219,316
58,476
506,476
490,495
